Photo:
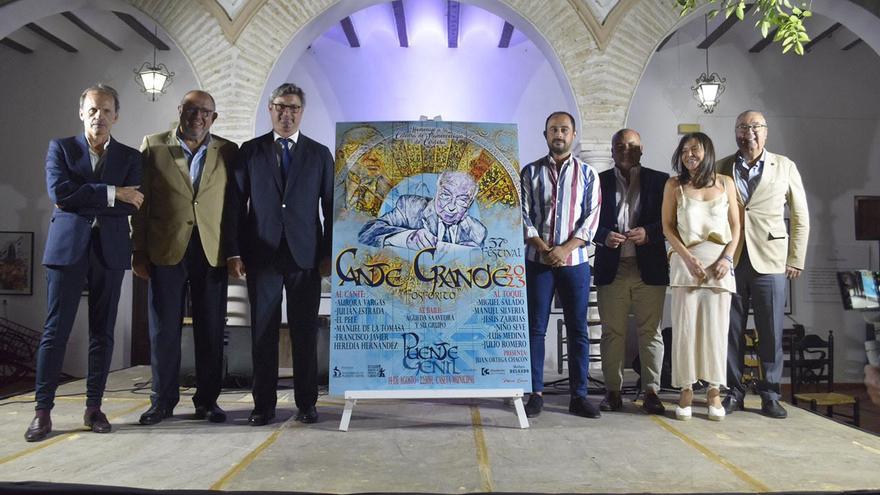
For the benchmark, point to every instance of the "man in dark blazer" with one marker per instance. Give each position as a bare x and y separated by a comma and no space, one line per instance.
92,181
273,233
176,237
631,268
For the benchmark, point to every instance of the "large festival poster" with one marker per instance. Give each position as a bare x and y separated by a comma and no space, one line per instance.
428,282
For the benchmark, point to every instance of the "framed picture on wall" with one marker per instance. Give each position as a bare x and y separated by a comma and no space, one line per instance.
17,263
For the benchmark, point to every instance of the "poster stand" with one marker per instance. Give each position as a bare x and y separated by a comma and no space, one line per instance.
352,396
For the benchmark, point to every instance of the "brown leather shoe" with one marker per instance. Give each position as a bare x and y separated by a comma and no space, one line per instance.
97,422
39,428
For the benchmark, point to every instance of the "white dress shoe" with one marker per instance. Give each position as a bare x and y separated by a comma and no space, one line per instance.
684,413
716,413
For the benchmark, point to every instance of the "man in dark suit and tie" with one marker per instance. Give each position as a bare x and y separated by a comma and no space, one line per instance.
631,268
92,180
176,238
274,234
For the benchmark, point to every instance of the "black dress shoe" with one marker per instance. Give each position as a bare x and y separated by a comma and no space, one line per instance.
732,404
260,418
653,405
155,414
582,407
773,409
307,415
611,402
39,428
534,405
97,421
212,413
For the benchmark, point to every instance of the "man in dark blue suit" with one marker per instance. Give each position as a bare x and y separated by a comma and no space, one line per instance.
92,180
274,234
631,268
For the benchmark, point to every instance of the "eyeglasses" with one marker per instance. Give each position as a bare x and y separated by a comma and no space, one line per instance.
191,110
752,127
281,108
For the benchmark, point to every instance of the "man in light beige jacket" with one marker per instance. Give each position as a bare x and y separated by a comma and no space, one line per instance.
767,255
176,237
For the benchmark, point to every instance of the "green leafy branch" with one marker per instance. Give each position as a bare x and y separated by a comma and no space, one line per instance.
788,19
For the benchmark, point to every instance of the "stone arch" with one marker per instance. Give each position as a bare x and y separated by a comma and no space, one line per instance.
236,73
601,81
320,24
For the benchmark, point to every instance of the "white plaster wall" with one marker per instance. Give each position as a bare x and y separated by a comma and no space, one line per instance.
476,82
40,98
823,111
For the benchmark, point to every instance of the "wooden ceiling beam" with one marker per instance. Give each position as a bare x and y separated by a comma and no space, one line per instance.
723,28
70,16
665,40
822,36
142,30
400,21
350,35
15,46
764,43
851,45
506,34
51,38
453,17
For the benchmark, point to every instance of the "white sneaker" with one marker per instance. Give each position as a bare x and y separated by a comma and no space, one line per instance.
684,413
716,413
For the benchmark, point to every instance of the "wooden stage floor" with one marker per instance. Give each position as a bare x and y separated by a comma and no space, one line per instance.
434,446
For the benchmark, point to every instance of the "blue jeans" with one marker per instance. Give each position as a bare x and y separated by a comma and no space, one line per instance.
573,285
64,288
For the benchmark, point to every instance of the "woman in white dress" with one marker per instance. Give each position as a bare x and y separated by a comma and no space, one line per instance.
701,224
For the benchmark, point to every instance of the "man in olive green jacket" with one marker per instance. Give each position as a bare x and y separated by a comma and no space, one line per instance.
176,237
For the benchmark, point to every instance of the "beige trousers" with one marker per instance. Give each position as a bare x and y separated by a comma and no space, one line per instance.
700,321
628,294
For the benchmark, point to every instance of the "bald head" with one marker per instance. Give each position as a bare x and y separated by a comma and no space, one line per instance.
626,149
197,93
197,113
751,134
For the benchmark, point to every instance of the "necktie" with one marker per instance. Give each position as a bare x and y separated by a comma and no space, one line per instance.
286,157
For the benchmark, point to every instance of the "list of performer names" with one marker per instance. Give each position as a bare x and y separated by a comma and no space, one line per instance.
360,323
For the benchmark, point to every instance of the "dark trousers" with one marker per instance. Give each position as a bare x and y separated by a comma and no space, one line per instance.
207,286
573,285
765,292
64,293
265,285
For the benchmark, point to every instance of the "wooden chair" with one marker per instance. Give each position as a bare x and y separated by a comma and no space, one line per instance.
812,363
752,371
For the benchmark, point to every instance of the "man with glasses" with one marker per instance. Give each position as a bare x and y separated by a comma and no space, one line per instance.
275,236
177,246
418,222
767,255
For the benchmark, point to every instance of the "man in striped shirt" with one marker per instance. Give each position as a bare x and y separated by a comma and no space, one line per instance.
560,201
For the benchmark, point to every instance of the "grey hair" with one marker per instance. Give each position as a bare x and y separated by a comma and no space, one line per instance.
288,89
450,176
743,114
100,88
